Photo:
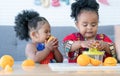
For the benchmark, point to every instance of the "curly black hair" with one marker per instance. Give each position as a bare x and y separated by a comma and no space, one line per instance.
25,21
80,5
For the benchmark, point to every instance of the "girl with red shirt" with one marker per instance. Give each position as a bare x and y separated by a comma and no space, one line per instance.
85,14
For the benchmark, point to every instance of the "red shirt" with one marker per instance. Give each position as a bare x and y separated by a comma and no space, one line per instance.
48,59
77,36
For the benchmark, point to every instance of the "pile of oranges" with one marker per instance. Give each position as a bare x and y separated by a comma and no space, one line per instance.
6,62
84,60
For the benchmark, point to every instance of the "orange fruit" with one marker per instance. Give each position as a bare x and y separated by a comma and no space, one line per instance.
8,68
50,38
83,60
6,60
28,62
95,62
110,61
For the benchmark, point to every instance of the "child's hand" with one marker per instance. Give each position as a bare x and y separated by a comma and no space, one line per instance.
89,44
93,44
85,44
56,44
50,38
100,45
52,44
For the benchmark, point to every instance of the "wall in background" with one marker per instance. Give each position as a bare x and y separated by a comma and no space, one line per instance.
57,16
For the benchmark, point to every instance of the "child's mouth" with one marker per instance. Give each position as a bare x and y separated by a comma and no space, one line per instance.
47,38
89,32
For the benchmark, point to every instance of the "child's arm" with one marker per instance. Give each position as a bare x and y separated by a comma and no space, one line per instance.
71,43
75,45
58,55
37,56
108,47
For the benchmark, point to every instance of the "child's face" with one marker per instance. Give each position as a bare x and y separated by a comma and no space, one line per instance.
87,23
43,33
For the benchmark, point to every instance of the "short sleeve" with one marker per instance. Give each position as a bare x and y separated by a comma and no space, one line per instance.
107,39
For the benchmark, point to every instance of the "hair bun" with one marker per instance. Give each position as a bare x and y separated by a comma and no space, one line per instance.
88,4
79,5
21,22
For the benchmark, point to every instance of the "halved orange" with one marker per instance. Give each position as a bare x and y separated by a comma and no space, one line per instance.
110,61
95,62
28,62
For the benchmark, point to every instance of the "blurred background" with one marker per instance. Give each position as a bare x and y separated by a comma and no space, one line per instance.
57,14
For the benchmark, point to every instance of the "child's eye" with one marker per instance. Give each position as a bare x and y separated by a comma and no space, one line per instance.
46,31
84,25
94,25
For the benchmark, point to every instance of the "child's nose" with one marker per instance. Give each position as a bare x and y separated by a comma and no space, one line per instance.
89,26
49,34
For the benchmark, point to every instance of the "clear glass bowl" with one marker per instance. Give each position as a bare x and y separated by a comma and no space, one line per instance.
98,56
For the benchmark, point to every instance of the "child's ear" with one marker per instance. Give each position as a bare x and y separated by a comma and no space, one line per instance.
76,23
33,35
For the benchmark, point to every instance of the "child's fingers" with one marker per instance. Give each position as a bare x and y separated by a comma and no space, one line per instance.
91,44
54,42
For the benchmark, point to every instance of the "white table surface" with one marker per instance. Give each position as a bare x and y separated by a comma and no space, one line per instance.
47,70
